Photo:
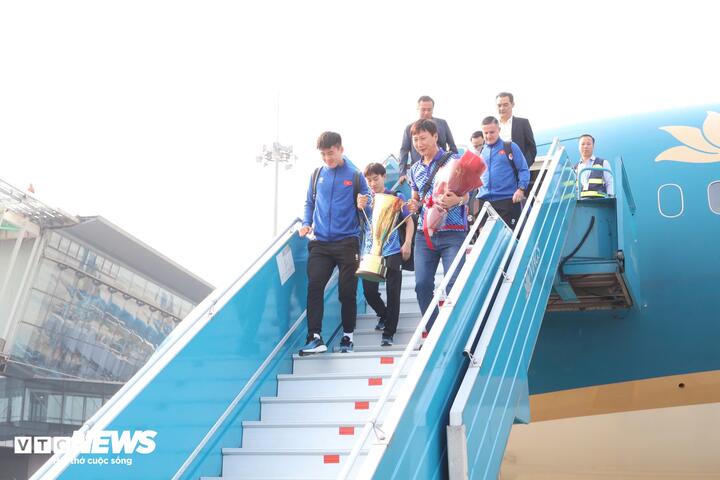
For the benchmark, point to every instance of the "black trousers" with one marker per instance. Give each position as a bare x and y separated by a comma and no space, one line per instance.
323,258
508,211
391,312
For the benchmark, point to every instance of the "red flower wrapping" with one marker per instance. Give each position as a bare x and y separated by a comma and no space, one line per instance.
464,174
459,176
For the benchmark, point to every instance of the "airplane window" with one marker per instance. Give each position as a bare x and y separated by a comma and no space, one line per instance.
671,203
714,196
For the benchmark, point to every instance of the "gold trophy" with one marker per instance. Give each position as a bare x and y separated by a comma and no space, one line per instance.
384,215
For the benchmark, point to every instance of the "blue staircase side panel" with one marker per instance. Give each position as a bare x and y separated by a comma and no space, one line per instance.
418,447
501,387
602,241
627,233
193,390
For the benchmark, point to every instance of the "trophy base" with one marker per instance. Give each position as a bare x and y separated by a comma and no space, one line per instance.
372,268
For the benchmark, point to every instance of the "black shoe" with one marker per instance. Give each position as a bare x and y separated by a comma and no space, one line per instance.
314,345
346,345
387,340
380,325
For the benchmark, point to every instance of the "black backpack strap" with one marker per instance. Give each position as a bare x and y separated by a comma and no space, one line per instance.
315,177
356,184
441,163
360,215
509,154
356,192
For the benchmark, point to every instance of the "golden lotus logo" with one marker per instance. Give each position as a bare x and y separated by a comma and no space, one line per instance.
700,146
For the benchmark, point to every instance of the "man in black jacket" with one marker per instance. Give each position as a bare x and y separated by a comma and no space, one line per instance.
445,140
515,129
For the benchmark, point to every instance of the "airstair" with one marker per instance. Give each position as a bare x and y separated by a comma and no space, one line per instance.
571,255
228,397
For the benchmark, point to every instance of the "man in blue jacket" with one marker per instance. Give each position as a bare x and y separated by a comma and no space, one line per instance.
331,213
506,178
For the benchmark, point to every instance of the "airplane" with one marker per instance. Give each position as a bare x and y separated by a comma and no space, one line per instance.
602,311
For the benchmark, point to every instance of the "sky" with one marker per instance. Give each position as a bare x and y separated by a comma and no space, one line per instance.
152,113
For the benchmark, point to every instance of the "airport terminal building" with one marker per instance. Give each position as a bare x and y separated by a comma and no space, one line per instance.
83,305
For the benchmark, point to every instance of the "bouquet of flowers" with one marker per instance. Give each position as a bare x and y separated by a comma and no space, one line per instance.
459,176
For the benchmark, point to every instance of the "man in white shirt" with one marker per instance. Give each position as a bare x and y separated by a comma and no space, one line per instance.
515,129
596,180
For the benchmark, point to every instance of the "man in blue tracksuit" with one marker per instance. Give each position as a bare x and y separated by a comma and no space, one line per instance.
506,178
331,212
394,253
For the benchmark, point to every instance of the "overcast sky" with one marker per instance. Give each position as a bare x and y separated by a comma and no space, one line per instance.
151,113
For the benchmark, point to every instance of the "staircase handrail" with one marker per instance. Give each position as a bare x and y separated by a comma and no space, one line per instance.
171,346
473,337
370,423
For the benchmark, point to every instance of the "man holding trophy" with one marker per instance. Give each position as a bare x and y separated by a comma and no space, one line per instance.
383,254
336,192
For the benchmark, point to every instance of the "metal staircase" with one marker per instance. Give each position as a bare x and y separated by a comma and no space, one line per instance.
598,267
570,255
309,428
226,393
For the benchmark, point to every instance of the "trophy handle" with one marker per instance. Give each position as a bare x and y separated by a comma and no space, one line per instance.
398,225
365,215
393,229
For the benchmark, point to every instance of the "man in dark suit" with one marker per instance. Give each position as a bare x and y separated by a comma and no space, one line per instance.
445,141
515,129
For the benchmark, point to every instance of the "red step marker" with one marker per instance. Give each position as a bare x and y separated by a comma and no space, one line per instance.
373,382
362,405
387,360
331,458
347,431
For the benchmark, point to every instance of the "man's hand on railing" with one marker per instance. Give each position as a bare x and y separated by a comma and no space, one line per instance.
305,230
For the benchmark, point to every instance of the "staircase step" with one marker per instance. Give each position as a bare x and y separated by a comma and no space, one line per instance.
375,361
371,337
309,435
407,300
319,409
398,347
285,464
369,320
346,384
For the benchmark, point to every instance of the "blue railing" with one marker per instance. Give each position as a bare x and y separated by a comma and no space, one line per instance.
208,376
495,392
412,443
627,232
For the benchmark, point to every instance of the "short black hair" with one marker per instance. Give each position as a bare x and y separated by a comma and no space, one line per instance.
329,140
587,135
490,120
425,98
375,169
506,94
477,134
423,125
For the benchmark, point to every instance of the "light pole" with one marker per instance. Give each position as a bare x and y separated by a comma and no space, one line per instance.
277,155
